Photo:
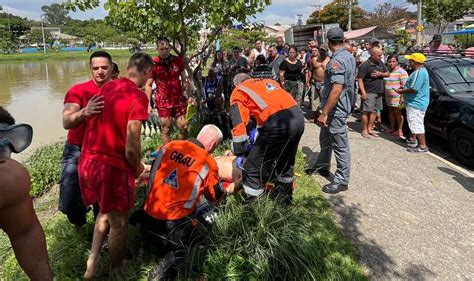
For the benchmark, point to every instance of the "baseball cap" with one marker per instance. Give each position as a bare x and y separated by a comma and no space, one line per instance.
437,38
417,57
335,34
374,40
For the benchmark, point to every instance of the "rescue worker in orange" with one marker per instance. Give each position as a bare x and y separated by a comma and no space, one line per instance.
182,172
280,122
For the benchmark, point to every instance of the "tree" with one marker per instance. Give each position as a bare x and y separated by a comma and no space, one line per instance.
384,15
179,20
36,37
242,38
337,12
55,14
442,12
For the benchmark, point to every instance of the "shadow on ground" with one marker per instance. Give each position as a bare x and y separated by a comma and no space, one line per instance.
466,182
370,253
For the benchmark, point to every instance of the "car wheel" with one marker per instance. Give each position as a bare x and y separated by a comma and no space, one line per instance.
461,142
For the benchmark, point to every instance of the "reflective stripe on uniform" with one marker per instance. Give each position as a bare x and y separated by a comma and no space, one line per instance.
197,184
252,192
154,168
240,138
285,179
254,96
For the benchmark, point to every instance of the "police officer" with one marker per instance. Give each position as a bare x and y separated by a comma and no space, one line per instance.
336,103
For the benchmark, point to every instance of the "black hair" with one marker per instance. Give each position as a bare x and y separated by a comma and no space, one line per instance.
161,40
141,61
261,59
5,117
100,54
293,47
115,67
258,39
236,48
393,56
336,42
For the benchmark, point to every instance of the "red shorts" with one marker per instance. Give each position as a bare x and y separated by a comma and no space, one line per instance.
112,188
172,112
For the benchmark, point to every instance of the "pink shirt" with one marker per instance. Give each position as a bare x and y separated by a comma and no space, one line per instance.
443,49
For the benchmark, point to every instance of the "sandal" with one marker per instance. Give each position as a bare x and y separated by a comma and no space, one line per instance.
375,135
367,136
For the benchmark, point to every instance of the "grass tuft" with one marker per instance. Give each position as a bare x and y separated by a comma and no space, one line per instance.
44,168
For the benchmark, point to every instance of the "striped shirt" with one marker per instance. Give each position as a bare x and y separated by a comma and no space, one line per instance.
397,79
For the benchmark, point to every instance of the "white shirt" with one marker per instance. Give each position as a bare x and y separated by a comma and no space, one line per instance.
257,53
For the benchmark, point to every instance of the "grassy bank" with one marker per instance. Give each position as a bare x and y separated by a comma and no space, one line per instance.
52,55
261,241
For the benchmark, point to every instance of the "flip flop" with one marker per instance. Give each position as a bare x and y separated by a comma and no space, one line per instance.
367,136
375,135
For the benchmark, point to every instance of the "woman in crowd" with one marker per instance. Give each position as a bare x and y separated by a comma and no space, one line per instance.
397,79
221,69
291,77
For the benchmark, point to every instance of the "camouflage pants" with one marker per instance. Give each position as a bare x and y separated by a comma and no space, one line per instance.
295,88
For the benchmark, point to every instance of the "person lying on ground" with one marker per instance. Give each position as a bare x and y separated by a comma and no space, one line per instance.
182,172
17,216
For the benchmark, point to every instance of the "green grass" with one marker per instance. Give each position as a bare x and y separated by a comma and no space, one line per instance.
44,167
261,241
52,55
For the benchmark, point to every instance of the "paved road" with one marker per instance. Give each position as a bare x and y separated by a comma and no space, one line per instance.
411,216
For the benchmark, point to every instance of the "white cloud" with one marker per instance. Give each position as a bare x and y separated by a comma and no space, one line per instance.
23,13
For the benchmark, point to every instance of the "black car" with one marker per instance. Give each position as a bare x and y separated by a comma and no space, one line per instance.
450,114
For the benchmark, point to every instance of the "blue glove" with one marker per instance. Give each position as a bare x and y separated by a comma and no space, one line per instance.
154,154
252,138
240,163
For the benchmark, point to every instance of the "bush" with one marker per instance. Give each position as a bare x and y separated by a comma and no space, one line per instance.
44,167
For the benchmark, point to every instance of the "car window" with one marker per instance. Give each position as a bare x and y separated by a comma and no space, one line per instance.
457,78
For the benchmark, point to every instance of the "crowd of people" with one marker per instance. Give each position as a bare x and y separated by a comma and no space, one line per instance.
262,90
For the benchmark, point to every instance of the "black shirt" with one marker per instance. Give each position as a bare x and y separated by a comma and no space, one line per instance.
372,85
292,71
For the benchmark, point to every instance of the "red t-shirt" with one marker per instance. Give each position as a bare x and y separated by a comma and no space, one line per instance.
80,94
169,92
106,133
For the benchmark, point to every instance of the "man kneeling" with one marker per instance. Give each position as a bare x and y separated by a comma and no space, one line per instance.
183,171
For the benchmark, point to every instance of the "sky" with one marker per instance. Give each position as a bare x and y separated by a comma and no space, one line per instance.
281,11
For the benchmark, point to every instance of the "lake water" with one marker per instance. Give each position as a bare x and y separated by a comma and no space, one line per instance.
34,92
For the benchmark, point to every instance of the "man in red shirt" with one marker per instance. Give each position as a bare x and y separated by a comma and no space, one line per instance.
170,78
111,159
80,102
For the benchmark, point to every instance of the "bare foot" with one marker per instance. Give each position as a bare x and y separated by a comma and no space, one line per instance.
92,267
122,267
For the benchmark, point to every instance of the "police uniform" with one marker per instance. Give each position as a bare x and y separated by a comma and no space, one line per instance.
280,124
339,70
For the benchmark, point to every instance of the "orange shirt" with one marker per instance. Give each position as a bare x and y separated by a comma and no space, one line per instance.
182,172
257,98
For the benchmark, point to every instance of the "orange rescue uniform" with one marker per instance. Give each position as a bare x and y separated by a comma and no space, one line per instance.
182,172
257,98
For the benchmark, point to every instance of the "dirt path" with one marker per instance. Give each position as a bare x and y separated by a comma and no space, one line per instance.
411,216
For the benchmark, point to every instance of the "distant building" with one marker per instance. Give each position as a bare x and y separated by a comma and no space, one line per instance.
57,35
275,30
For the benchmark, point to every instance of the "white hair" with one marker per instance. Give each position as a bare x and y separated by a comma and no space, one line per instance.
211,129
240,77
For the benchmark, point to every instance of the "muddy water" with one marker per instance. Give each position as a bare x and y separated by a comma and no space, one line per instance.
34,92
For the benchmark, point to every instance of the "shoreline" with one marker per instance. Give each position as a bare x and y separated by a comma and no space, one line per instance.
58,56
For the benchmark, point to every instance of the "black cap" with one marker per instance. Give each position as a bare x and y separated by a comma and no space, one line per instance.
437,38
335,34
374,40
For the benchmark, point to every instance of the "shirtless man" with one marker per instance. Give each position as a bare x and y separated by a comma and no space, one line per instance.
17,216
315,76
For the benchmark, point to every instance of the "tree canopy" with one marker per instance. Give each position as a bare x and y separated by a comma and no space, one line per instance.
337,12
179,20
242,38
384,15
442,12
55,14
